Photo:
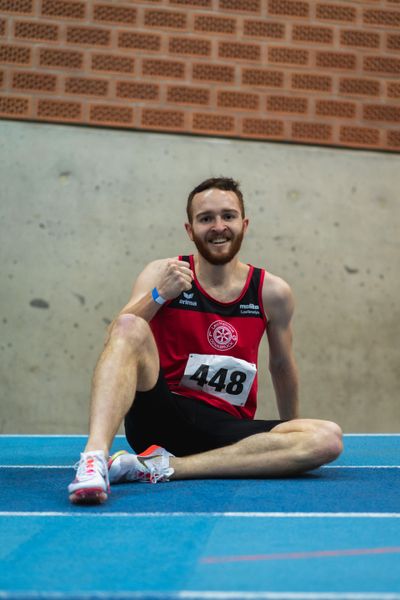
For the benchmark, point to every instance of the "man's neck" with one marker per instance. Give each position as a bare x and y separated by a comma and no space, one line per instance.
230,276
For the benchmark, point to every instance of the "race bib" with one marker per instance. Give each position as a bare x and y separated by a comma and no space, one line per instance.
225,377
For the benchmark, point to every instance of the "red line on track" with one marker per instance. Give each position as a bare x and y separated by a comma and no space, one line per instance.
301,555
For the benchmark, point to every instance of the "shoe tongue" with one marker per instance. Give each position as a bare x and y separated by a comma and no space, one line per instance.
98,453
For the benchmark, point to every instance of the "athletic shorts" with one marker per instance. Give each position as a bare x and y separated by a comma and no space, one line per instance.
184,425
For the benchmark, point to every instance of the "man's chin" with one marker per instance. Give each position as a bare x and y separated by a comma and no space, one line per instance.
216,257
218,260
219,256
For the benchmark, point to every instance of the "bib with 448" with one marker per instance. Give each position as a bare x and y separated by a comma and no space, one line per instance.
224,377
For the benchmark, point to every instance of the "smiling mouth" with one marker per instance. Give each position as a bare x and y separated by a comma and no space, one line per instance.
219,241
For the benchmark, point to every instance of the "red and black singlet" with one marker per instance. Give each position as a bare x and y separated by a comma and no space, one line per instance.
209,349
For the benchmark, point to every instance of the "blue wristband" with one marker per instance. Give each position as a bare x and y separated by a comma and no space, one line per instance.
156,296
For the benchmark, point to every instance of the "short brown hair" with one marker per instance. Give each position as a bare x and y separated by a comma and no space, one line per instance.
220,183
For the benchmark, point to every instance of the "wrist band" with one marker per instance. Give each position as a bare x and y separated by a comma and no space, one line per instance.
156,296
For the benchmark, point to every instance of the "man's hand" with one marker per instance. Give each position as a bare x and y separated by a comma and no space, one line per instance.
175,277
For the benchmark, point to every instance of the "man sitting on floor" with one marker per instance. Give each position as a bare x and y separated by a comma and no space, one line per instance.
180,366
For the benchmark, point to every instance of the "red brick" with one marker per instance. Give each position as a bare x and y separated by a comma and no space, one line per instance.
163,119
32,30
393,89
214,24
189,45
111,114
137,90
68,59
58,110
263,128
165,19
13,106
382,65
312,132
27,80
288,8
13,54
112,13
359,136
264,29
16,6
213,72
336,60
334,108
393,42
188,95
142,41
380,112
287,104
262,77
238,100
86,86
252,6
63,8
91,36
304,81
213,123
113,63
393,138
388,18
310,33
163,68
359,87
239,50
336,12
290,56
359,39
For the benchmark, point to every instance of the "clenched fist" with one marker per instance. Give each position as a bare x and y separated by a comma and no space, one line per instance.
175,277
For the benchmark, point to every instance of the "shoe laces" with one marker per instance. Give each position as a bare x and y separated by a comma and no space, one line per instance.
157,469
88,466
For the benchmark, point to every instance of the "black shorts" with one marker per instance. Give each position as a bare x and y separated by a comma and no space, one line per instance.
184,425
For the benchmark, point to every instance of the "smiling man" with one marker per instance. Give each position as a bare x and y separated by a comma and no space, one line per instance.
180,366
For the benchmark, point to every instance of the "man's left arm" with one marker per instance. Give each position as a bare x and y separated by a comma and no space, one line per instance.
279,306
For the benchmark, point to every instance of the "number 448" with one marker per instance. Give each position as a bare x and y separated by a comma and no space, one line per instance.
218,380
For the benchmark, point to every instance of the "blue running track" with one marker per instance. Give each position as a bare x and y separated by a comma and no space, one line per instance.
331,534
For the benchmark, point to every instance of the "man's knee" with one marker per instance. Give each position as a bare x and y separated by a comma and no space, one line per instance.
132,330
326,442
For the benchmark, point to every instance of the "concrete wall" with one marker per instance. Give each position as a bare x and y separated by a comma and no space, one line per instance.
83,210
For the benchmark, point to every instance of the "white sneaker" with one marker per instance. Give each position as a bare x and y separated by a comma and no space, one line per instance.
91,484
149,466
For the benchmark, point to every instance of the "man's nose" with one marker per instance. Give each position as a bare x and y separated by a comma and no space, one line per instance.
219,224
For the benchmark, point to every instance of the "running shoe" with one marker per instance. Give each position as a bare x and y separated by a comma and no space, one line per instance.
150,466
91,484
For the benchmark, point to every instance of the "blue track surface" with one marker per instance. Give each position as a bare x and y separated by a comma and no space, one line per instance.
334,533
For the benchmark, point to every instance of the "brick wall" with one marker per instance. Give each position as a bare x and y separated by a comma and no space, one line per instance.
320,72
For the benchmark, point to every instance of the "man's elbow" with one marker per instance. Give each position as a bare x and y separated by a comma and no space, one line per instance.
282,366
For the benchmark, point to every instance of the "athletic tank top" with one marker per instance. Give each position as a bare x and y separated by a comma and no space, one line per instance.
209,349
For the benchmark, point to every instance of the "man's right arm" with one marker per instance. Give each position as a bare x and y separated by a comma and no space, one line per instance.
169,276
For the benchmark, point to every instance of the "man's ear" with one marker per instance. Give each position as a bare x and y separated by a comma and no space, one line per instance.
189,230
245,224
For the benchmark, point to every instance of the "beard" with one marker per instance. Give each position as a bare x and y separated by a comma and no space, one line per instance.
216,258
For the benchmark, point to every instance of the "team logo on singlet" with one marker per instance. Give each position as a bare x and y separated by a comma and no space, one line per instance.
222,335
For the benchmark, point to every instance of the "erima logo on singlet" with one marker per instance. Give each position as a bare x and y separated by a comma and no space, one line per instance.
187,299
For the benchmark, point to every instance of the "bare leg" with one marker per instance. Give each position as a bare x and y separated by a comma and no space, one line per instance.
288,449
128,362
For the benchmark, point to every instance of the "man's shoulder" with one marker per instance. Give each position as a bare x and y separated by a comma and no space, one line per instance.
277,295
